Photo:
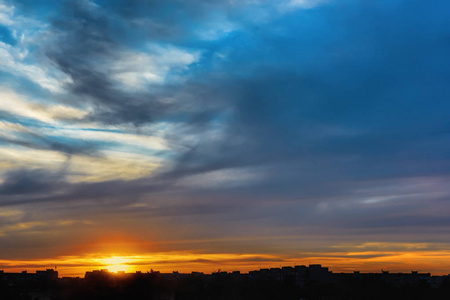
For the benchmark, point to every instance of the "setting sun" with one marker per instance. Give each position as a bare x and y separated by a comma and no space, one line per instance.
116,263
224,149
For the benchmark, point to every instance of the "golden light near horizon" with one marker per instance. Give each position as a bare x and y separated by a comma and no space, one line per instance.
116,263
433,261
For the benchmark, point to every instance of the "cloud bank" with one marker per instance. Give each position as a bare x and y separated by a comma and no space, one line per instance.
324,122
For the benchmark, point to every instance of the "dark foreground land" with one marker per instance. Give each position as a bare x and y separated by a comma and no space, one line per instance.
300,282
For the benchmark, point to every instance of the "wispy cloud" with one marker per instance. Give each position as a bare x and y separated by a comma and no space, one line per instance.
316,123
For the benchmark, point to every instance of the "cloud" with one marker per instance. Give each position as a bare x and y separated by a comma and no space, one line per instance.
87,52
139,71
30,182
305,4
6,13
20,105
25,137
12,62
224,178
19,56
327,124
291,109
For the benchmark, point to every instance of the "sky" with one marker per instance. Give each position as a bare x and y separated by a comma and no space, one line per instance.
222,134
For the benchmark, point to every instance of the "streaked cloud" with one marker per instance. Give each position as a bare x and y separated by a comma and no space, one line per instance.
306,3
12,61
235,131
141,70
18,105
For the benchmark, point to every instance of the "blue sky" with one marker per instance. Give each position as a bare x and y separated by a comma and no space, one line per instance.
224,127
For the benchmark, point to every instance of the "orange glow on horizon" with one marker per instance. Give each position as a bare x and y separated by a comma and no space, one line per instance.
116,264
436,262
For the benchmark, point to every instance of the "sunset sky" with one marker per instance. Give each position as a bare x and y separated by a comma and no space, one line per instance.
224,134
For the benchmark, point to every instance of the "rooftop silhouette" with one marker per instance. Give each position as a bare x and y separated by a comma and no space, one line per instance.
289,282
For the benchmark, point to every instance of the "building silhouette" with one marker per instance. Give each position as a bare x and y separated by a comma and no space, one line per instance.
298,282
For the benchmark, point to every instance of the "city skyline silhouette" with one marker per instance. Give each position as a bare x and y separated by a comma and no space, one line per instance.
199,135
